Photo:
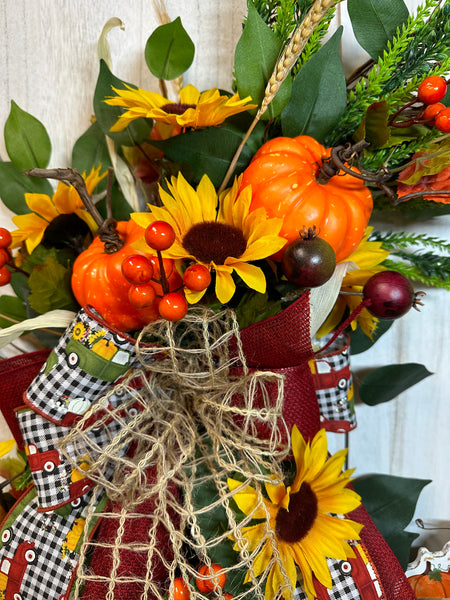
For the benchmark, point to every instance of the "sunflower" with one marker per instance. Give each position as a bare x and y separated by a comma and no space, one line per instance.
297,528
367,257
218,232
195,109
32,226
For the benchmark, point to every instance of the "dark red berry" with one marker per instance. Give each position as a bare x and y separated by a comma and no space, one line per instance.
308,261
389,295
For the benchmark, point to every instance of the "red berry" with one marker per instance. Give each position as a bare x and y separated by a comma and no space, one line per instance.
5,276
197,277
142,296
431,111
308,261
432,89
5,238
173,306
4,257
390,295
180,589
159,235
137,269
442,120
211,577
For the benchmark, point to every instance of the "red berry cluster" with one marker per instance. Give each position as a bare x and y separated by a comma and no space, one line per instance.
208,580
431,91
148,274
5,256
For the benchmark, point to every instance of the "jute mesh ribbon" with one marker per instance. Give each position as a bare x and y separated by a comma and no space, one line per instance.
184,432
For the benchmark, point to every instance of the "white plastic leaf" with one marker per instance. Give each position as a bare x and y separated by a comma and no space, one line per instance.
50,320
322,298
102,44
124,176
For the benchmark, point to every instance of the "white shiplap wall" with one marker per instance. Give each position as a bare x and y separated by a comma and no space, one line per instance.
48,66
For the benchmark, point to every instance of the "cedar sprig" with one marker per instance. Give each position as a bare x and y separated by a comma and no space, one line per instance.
430,269
393,240
427,51
369,89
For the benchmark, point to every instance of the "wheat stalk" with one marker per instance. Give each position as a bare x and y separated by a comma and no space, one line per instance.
283,66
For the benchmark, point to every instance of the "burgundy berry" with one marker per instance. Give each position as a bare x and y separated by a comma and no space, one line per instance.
308,261
390,295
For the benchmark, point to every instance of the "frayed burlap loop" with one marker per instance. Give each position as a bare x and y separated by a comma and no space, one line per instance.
187,426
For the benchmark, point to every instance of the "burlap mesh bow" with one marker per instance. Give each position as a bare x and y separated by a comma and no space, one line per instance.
187,428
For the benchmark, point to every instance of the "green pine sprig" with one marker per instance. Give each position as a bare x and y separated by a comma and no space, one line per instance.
371,88
282,16
431,268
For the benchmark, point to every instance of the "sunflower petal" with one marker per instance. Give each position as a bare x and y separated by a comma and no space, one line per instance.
252,275
225,286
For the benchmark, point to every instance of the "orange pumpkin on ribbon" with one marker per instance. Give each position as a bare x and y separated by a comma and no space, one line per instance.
431,584
284,178
97,281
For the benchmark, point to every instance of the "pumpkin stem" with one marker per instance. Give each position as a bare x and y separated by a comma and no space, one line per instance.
106,228
73,178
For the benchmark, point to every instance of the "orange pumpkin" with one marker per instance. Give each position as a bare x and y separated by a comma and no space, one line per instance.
97,281
431,584
283,175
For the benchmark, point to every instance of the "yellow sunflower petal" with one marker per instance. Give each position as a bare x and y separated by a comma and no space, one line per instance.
252,275
33,227
225,286
249,501
42,205
193,297
88,219
189,94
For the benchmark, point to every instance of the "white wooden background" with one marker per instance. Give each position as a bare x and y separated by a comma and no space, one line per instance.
48,66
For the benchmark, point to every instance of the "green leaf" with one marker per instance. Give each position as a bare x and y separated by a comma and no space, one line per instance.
50,287
385,383
391,503
375,22
14,185
360,342
89,151
12,310
169,50
26,140
137,131
319,94
255,57
206,151
374,127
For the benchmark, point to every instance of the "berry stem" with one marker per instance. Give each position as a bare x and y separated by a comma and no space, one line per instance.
164,284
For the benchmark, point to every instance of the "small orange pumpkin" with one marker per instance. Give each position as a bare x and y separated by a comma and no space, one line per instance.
97,281
431,584
283,175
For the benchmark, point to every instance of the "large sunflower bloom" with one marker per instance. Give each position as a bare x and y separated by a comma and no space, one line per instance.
32,226
297,522
367,257
217,232
195,109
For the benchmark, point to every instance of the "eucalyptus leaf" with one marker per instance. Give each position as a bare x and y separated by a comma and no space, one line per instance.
206,151
26,140
14,185
385,383
360,342
12,310
319,94
90,150
169,50
255,57
391,503
375,22
137,131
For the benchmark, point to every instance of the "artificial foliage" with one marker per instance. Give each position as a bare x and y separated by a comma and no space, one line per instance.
182,398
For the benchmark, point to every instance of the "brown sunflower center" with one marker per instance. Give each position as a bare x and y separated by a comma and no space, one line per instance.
212,241
175,108
292,526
